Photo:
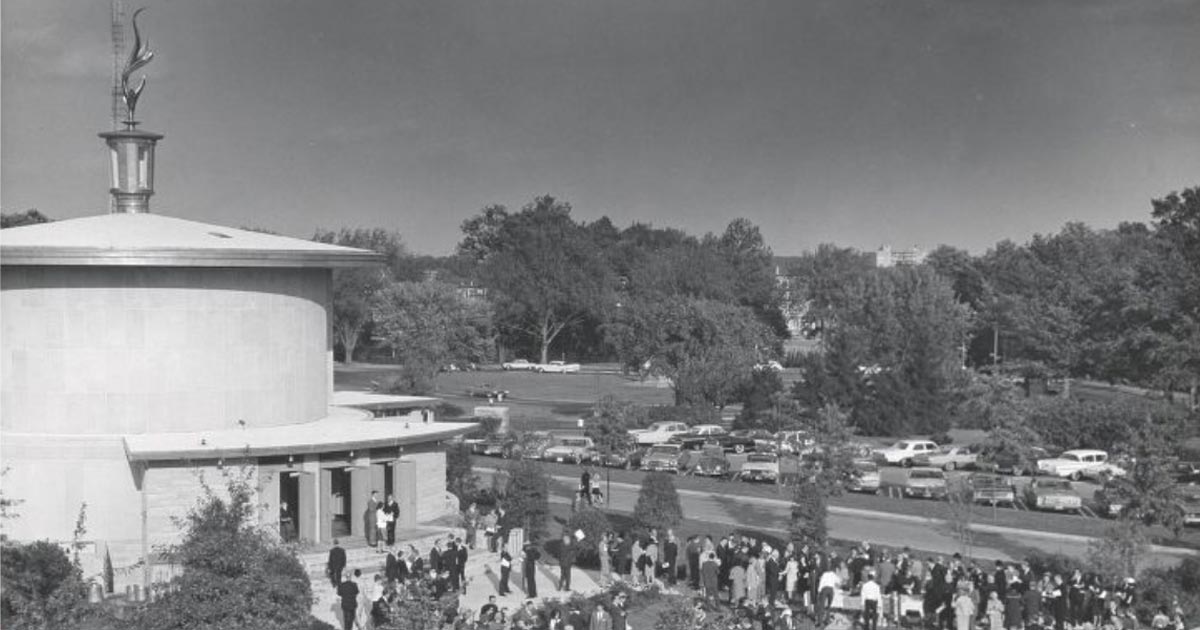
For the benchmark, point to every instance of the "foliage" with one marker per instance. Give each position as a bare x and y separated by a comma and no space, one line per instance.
681,613
42,587
657,506
687,414
891,352
527,498
416,608
706,348
831,461
545,271
1114,556
17,219
1147,492
611,421
758,398
1161,587
810,511
461,479
412,379
234,573
7,505
429,325
594,524
354,288
1107,425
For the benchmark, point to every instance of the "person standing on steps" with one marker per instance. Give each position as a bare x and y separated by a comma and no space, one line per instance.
460,565
370,528
335,564
566,558
348,592
393,515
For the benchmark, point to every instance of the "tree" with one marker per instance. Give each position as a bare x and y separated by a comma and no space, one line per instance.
594,524
234,573
543,270
810,511
416,608
429,325
42,587
17,219
657,506
832,458
1114,556
610,423
706,348
1147,493
527,499
354,288
460,473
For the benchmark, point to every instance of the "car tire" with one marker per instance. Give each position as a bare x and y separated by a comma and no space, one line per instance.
1075,476
950,466
739,448
505,368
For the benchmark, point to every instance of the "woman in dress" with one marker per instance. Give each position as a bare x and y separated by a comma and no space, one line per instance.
791,573
964,610
995,611
737,584
756,580
605,560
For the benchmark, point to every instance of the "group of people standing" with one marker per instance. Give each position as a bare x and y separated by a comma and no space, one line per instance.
379,520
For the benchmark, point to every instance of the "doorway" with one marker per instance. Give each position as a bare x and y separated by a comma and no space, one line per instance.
339,502
289,505
388,482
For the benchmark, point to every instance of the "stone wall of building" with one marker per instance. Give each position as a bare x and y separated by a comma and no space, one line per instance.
120,350
172,490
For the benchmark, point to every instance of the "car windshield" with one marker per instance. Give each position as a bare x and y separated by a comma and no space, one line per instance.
1054,484
579,443
988,481
901,446
1071,457
926,474
866,466
768,459
665,450
711,461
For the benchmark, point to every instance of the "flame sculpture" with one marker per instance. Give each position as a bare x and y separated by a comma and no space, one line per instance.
138,57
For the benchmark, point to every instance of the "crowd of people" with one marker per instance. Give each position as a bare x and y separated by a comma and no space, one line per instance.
746,581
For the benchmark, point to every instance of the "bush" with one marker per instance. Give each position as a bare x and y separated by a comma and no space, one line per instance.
594,525
657,505
451,410
461,479
809,514
527,499
1054,563
41,587
234,574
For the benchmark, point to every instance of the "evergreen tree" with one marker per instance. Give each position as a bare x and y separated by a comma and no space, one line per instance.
527,499
658,503
809,514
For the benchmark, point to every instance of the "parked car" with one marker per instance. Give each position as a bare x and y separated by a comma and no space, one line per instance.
768,366
630,459
1186,472
1052,493
659,432
572,450
699,435
948,458
531,444
866,478
488,391
793,442
904,452
923,483
747,440
557,367
711,464
494,446
760,467
1107,503
1011,462
991,489
1080,464
517,364
1189,502
664,458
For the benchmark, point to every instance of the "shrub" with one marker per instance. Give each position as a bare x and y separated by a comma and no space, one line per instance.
527,499
657,505
461,479
594,525
809,514
41,587
1054,563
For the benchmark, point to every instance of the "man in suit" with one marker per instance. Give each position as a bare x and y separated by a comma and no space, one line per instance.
348,592
529,569
670,551
600,620
450,565
336,563
393,511
391,566
435,557
460,565
565,559
693,560
772,575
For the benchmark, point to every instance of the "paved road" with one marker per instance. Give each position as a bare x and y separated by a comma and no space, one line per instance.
896,530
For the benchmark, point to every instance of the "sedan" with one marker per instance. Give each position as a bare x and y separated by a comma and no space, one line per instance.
663,458
744,440
760,467
1049,493
517,364
948,458
865,478
711,466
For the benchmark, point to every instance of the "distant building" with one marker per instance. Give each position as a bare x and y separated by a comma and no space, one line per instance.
792,302
143,356
885,256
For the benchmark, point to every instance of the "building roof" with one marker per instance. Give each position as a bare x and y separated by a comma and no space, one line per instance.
145,239
369,400
343,429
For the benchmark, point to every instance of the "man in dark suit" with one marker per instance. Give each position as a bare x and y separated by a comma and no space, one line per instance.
529,569
693,560
391,566
370,524
460,565
505,571
566,558
670,552
450,565
348,592
772,575
392,508
336,563
435,557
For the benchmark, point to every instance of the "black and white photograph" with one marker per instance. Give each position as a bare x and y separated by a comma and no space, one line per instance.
600,314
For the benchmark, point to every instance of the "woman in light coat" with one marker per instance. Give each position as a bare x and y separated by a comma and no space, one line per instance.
964,610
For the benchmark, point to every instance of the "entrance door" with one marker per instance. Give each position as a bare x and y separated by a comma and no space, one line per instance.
289,505
388,482
339,502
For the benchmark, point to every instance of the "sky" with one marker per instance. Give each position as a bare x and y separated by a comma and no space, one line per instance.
855,122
